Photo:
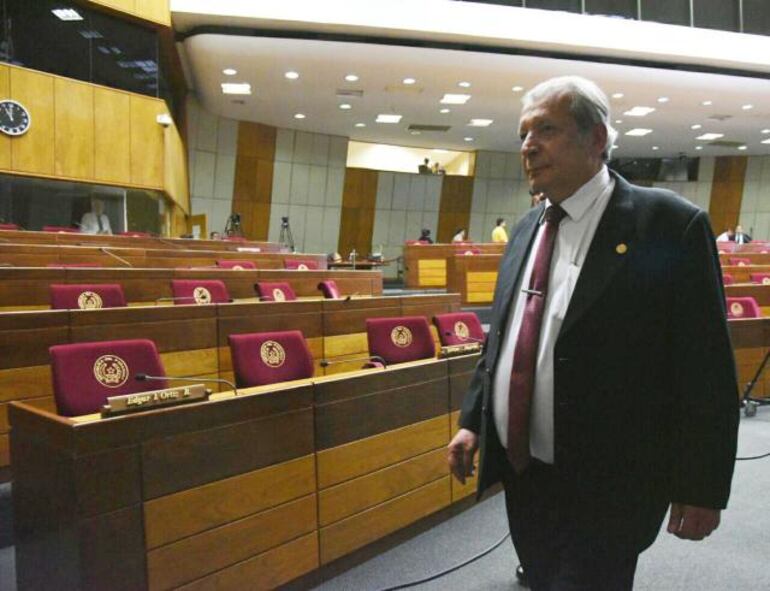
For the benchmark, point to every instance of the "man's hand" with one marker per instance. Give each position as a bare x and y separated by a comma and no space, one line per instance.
692,523
460,452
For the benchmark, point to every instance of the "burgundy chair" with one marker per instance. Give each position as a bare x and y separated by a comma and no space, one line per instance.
270,357
742,307
301,264
236,265
86,374
61,229
329,289
86,296
467,251
199,291
10,227
459,328
761,278
275,291
739,261
728,279
726,247
397,340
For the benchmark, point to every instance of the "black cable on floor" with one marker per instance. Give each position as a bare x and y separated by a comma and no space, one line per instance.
759,457
451,569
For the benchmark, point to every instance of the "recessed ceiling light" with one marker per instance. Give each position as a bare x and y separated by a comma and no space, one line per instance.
707,103
618,121
440,151
351,78
445,111
414,132
655,148
299,116
517,88
481,122
698,147
615,146
385,118
695,126
464,84
747,107
236,88
638,132
663,99
766,131
639,111
455,99
767,141
710,136
741,147
360,124
346,106
409,81
229,72
291,75
67,14
468,139
618,95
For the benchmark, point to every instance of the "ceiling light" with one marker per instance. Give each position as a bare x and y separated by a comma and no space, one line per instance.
351,78
766,131
638,131
409,81
385,118
698,147
481,122
767,141
346,106
710,136
455,99
655,148
468,139
291,75
67,14
618,121
707,103
440,151
639,111
229,72
445,111
415,132
360,124
618,95
741,147
663,99
696,126
615,146
747,107
464,84
517,88
236,88
299,116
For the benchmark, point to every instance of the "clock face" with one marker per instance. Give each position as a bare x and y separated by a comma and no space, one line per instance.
14,118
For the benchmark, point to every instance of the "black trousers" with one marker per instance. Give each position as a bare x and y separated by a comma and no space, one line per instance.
554,538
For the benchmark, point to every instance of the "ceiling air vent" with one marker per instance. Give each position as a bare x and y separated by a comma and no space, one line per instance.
726,144
423,127
349,93
718,117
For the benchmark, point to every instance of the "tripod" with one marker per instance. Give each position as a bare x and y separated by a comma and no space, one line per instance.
286,239
750,404
233,226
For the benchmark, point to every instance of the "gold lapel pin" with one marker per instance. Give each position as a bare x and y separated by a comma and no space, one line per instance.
621,248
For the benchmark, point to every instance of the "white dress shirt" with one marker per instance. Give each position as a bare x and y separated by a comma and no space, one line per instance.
584,209
89,224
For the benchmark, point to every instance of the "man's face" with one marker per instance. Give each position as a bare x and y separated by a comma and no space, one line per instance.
556,158
98,207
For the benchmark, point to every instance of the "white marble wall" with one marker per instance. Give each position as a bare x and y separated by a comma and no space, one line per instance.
406,203
755,206
308,179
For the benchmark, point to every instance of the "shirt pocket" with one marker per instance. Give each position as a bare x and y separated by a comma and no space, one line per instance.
565,290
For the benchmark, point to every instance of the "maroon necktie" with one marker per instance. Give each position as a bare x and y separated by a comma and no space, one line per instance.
527,344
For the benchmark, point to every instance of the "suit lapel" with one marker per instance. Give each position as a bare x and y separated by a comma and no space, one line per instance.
606,254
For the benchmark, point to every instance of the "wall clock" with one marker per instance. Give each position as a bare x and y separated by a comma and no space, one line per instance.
14,118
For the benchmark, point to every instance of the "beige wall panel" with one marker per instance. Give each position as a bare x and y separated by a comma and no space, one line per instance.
34,151
112,159
5,141
147,144
154,10
74,131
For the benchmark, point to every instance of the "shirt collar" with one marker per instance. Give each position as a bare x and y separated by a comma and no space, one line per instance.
577,204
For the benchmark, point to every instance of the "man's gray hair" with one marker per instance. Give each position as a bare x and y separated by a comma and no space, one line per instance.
588,104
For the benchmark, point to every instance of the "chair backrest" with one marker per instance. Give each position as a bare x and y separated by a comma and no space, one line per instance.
467,251
742,307
270,357
61,229
301,264
726,247
727,279
400,339
86,296
739,261
236,265
329,289
199,291
10,227
86,374
459,328
761,278
275,291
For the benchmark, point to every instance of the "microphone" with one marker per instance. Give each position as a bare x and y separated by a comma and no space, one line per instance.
143,377
449,333
114,256
350,296
327,363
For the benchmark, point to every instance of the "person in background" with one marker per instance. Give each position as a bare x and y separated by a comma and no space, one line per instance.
425,236
459,235
424,168
740,236
726,236
499,234
215,236
95,221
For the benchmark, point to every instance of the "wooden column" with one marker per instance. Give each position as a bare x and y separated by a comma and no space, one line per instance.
727,192
359,198
455,207
254,178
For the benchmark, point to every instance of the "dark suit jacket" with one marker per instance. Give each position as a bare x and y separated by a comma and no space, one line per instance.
645,396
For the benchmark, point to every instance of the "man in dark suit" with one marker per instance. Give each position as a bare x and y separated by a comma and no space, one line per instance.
607,389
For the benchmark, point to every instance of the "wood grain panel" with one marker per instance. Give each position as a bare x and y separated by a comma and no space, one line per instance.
154,10
45,403
5,449
367,455
460,491
455,207
269,570
359,199
146,141
5,141
175,178
122,5
346,344
252,191
195,510
193,362
18,383
431,272
356,495
354,532
74,132
34,151
107,481
727,192
197,556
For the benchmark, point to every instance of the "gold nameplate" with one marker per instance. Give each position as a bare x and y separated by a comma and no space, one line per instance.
455,350
127,403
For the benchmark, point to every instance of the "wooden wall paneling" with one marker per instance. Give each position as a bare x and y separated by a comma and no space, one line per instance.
112,139
29,286
727,191
147,144
252,192
455,207
176,180
461,370
34,151
429,305
74,131
26,336
359,199
341,317
5,141
122,5
154,10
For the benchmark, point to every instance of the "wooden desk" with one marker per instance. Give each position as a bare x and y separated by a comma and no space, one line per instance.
750,338
473,277
245,492
426,265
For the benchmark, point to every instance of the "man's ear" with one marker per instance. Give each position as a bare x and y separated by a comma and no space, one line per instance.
599,138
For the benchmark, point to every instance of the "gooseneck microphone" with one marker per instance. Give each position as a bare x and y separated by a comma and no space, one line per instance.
114,256
187,299
143,377
377,358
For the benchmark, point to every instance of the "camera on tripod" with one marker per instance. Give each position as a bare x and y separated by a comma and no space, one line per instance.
233,226
284,222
